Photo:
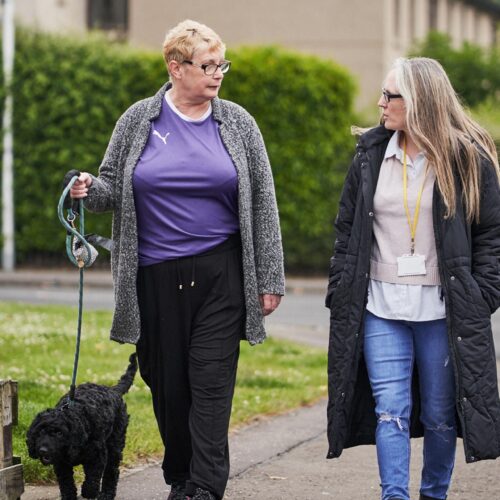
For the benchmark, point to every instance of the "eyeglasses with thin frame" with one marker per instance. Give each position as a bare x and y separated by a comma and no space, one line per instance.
211,68
388,96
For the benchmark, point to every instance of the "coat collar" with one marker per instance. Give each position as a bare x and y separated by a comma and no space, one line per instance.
154,107
375,136
373,143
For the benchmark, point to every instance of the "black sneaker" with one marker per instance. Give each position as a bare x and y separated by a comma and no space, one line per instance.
177,491
201,494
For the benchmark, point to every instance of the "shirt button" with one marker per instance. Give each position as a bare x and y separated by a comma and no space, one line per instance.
459,339
464,400
370,214
452,278
343,394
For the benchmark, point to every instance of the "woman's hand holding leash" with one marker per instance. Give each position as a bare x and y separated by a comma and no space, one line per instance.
81,187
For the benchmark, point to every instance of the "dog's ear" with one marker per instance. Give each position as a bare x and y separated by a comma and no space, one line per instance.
33,433
78,434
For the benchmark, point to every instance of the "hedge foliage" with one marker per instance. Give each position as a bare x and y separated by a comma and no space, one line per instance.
68,93
303,107
474,71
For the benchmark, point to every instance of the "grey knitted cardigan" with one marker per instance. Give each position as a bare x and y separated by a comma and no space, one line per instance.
258,213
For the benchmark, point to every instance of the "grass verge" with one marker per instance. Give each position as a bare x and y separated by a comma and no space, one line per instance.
37,350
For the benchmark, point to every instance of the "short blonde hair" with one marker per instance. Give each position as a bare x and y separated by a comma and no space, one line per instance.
182,41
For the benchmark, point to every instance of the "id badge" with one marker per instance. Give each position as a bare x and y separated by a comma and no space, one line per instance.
411,265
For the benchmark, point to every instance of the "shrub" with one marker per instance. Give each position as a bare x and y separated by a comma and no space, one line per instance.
474,72
68,94
303,107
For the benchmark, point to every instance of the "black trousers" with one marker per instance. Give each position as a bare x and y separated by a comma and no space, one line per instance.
192,320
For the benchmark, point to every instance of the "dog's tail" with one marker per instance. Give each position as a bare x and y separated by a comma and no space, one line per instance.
127,378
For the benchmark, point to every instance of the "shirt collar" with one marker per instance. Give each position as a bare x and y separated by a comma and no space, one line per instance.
393,149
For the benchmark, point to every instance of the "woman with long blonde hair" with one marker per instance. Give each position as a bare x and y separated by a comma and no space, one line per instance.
413,282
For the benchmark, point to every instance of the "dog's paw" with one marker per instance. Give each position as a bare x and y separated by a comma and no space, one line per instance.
90,490
105,496
68,495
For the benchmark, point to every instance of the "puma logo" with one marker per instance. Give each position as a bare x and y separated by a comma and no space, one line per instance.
162,137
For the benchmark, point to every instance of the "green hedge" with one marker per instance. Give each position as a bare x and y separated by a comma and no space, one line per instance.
474,71
303,107
68,94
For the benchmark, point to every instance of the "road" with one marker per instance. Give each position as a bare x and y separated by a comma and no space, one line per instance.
301,315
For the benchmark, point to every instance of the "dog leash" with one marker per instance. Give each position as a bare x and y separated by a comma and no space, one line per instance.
80,253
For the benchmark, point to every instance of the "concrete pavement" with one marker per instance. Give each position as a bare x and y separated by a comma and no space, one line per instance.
283,458
275,458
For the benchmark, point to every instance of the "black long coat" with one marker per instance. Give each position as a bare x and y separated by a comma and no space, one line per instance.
469,264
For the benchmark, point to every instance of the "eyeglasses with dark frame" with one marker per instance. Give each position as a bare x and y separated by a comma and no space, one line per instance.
388,96
211,68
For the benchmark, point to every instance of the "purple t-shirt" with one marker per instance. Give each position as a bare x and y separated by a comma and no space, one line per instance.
185,188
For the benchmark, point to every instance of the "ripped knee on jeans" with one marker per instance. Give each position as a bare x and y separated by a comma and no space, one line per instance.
385,417
440,428
444,431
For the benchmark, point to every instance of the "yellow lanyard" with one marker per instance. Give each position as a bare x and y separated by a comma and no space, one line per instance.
413,225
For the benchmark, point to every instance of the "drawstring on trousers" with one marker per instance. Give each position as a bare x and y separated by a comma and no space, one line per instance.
179,274
232,242
179,277
193,269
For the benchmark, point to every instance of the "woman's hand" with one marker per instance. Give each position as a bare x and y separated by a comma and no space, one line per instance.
269,303
81,186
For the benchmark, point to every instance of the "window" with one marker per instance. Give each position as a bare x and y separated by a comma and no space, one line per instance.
107,15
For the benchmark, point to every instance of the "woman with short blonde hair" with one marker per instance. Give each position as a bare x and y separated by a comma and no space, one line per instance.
197,256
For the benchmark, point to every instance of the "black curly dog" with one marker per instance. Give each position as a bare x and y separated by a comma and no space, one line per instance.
90,430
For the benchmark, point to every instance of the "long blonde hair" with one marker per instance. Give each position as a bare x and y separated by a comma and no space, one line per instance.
439,126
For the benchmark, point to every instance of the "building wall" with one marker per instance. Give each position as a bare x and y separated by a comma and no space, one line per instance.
364,36
62,16
455,22
319,27
485,30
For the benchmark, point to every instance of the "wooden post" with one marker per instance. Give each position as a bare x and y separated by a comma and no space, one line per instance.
11,470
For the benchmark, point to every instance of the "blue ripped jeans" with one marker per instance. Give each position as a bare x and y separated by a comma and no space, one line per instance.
391,348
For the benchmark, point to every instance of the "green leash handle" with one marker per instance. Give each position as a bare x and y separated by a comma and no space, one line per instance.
71,231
